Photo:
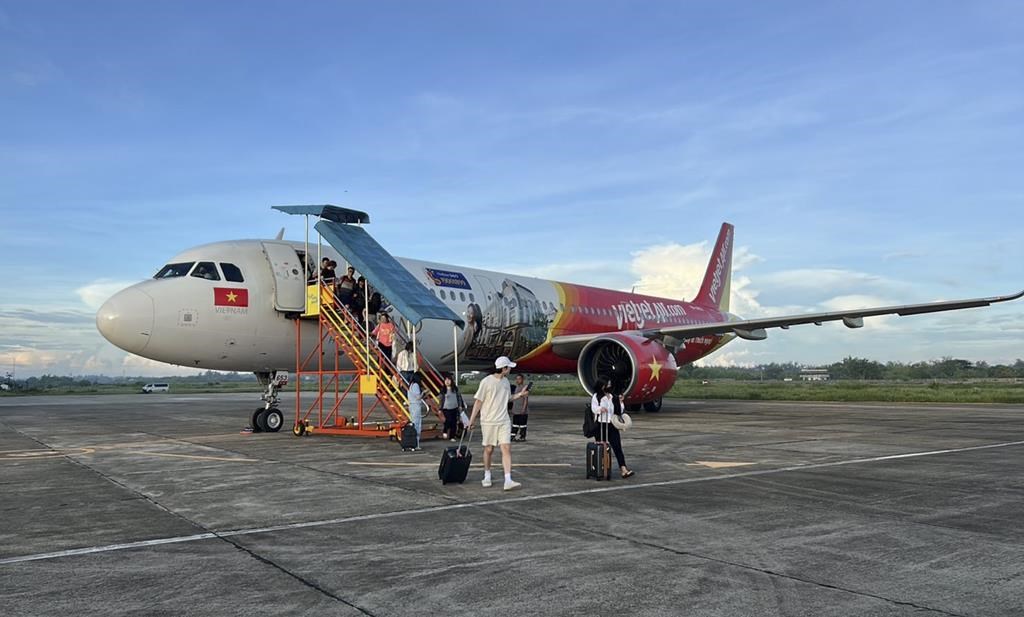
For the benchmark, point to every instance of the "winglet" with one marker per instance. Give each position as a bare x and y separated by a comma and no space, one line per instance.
715,289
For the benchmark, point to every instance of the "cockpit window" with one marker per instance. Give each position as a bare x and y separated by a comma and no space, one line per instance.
173,270
206,270
232,273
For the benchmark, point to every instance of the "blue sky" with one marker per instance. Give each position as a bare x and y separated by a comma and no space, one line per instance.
868,153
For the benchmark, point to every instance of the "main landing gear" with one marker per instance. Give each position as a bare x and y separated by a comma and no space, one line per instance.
649,406
269,418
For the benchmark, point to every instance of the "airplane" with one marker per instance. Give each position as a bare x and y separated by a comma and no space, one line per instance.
232,306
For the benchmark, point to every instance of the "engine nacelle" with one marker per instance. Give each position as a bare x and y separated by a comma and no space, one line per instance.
642,368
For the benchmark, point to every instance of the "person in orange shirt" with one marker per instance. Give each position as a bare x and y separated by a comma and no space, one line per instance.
385,334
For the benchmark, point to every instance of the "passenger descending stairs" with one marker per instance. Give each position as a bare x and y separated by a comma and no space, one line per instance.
351,338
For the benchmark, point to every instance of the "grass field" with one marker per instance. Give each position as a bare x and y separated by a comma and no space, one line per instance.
993,391
842,391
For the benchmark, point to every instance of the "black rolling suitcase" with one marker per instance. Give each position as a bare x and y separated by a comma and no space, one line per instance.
599,461
519,426
408,437
454,465
599,458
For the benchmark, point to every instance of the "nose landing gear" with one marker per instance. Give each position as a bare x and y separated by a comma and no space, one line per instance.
269,418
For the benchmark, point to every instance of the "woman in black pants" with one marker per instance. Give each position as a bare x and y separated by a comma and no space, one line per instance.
604,404
451,405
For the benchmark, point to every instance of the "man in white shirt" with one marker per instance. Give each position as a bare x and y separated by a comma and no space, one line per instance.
491,404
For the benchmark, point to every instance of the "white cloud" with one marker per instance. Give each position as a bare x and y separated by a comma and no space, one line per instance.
99,291
671,270
823,278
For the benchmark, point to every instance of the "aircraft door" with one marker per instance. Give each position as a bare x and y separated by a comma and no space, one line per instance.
289,276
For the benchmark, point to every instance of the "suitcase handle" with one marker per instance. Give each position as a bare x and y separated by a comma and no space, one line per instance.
458,451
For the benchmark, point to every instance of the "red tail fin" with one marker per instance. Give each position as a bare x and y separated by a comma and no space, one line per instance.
715,289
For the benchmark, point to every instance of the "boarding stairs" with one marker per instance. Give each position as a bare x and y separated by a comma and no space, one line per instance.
373,375
351,337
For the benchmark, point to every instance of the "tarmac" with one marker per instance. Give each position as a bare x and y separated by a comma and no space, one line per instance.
157,504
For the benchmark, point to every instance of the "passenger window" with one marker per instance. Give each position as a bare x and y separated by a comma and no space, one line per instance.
206,270
442,295
462,296
232,273
174,270
471,298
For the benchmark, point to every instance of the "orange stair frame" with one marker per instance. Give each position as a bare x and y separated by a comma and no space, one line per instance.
387,389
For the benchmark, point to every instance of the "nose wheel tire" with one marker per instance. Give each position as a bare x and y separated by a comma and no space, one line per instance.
274,420
270,420
254,420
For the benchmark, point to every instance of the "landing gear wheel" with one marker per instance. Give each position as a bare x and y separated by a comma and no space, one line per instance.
261,420
299,429
273,421
254,420
633,407
653,406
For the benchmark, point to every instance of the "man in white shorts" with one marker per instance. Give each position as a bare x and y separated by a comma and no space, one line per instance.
491,403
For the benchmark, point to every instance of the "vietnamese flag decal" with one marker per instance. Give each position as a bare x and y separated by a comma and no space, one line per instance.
230,296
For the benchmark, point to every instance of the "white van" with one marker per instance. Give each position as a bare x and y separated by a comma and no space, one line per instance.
156,387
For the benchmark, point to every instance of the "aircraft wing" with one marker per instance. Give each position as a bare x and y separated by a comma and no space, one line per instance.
754,329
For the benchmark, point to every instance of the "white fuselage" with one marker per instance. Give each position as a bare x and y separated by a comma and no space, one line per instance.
189,320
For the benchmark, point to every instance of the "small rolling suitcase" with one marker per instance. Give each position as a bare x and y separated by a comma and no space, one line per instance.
599,461
454,465
408,437
519,426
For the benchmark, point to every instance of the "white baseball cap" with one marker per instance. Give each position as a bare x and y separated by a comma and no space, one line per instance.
503,361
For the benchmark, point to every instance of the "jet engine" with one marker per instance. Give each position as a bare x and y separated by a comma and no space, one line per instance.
642,369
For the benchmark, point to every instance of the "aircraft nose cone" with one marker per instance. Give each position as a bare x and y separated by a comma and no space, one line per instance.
126,319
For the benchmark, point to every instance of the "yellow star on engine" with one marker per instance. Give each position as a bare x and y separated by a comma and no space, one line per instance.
655,369
232,296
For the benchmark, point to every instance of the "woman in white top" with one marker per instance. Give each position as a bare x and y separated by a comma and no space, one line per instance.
406,362
416,406
603,404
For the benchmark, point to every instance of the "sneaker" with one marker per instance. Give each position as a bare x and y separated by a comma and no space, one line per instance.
486,483
512,484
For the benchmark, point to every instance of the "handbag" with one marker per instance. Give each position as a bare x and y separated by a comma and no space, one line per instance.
622,421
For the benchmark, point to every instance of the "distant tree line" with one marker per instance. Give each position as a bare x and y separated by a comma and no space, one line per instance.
862,369
849,368
58,382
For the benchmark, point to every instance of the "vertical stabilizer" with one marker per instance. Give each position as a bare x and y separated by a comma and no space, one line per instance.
714,291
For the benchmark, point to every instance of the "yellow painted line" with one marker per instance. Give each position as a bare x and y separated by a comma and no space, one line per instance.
41,454
719,464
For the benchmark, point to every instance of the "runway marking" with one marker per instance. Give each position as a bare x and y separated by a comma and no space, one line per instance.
374,464
41,454
202,458
38,453
719,464
482,504
128,444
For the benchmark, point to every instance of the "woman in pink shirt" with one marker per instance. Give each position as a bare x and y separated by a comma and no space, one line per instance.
385,334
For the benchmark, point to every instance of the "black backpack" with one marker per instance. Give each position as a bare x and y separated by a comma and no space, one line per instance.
589,422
